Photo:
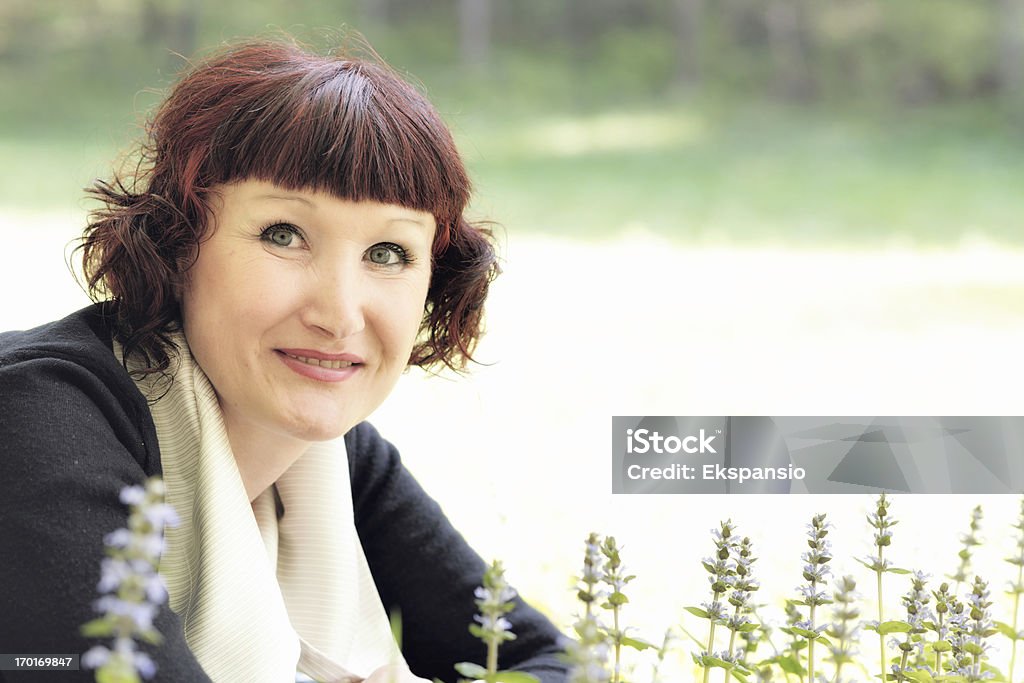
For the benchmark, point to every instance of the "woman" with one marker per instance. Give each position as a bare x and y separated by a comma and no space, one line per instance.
293,240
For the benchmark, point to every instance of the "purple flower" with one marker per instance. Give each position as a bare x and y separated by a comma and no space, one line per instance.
144,665
121,538
112,573
141,614
493,624
133,495
132,590
95,657
156,591
714,609
161,515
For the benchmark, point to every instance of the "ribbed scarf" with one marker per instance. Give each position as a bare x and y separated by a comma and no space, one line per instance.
262,596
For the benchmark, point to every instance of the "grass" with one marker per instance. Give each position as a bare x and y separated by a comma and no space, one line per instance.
752,175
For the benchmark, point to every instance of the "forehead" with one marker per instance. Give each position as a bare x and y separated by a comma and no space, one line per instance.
259,195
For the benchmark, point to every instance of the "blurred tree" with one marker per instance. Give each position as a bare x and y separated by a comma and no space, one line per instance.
475,17
688,16
172,24
788,45
374,11
1010,60
910,52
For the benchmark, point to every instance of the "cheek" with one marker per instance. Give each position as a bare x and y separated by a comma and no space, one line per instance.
403,316
223,306
238,291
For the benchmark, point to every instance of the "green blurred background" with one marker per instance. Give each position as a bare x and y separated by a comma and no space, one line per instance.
846,122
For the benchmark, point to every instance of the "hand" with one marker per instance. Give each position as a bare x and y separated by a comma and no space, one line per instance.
394,673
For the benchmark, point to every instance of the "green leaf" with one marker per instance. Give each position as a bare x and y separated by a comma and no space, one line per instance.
951,678
697,641
638,644
791,665
747,628
897,570
1006,630
471,670
738,676
98,628
887,627
395,621
152,636
710,661
106,674
941,646
617,599
514,677
806,633
698,612
919,676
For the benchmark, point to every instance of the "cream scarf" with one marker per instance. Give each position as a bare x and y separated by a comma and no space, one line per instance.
262,597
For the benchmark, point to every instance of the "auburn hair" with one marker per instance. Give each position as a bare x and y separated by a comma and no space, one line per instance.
275,111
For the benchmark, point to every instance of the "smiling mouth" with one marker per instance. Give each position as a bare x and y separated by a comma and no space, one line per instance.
332,364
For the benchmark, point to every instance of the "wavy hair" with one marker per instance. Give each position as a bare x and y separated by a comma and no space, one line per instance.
274,111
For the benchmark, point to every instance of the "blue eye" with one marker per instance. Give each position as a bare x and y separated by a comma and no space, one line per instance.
280,234
387,254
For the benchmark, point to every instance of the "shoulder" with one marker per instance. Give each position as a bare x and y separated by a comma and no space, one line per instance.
364,443
81,336
74,431
373,461
63,390
383,490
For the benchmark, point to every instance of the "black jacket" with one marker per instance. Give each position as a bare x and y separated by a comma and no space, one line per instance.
74,430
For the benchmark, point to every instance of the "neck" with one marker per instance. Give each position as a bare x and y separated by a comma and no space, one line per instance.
261,456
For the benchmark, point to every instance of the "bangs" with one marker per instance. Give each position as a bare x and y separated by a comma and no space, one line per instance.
349,128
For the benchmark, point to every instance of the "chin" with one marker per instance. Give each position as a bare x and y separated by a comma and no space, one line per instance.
326,429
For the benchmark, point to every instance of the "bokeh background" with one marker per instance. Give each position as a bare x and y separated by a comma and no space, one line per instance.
739,207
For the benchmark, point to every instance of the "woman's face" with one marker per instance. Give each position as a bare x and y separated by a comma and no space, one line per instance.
303,308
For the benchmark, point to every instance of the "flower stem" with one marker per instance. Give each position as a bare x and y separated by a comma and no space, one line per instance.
711,646
938,653
618,644
492,657
1016,606
881,618
732,635
839,664
810,645
903,663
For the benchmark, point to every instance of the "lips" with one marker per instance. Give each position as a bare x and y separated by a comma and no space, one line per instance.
321,366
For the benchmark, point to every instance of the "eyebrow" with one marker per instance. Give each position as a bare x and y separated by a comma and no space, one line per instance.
395,219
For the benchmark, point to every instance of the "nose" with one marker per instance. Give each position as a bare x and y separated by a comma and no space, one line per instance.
336,299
